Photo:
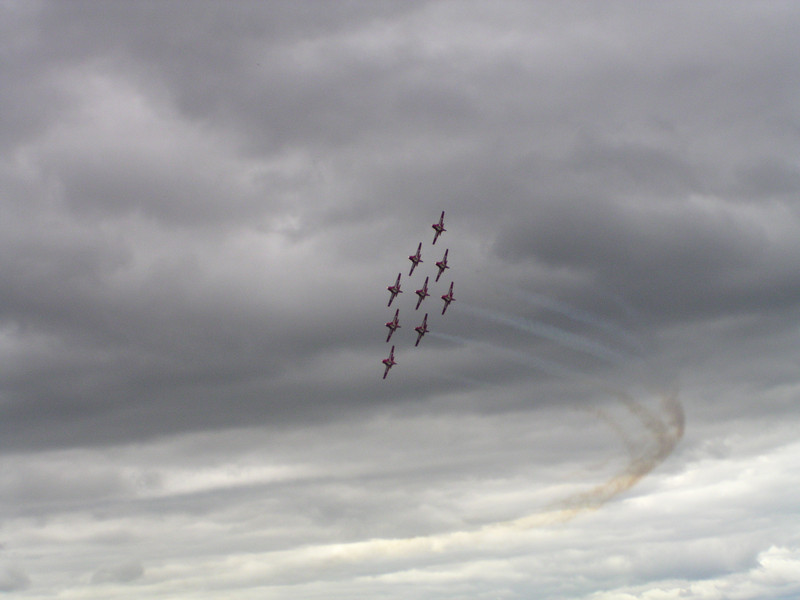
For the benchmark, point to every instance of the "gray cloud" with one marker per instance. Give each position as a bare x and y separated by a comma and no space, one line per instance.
13,579
202,206
121,573
697,257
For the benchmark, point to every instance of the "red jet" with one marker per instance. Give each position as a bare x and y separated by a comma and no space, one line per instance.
422,293
389,362
394,290
442,264
448,298
415,259
422,329
439,227
393,324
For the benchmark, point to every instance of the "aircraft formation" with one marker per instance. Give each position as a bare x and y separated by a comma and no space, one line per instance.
422,293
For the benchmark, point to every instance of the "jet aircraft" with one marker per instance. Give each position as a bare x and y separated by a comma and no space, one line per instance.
393,324
422,329
439,227
422,293
448,298
394,290
415,259
389,362
442,264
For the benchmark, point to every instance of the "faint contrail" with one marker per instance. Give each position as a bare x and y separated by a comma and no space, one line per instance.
565,338
546,366
580,316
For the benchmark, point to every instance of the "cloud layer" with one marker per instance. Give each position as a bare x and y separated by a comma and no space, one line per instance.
203,204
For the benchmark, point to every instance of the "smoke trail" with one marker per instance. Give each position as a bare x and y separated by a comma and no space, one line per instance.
652,438
655,434
554,334
663,431
546,366
580,316
663,434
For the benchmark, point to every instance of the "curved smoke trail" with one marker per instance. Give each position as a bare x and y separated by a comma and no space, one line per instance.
655,435
664,429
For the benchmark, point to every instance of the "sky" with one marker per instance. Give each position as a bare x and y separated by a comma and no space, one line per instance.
203,203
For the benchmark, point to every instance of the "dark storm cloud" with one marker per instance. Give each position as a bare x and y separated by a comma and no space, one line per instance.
380,115
201,55
676,261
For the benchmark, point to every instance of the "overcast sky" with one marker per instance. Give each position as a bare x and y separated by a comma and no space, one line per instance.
203,203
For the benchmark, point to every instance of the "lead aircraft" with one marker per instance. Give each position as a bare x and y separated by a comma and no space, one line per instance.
422,293
393,324
442,264
394,290
389,362
422,329
448,298
439,227
415,259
